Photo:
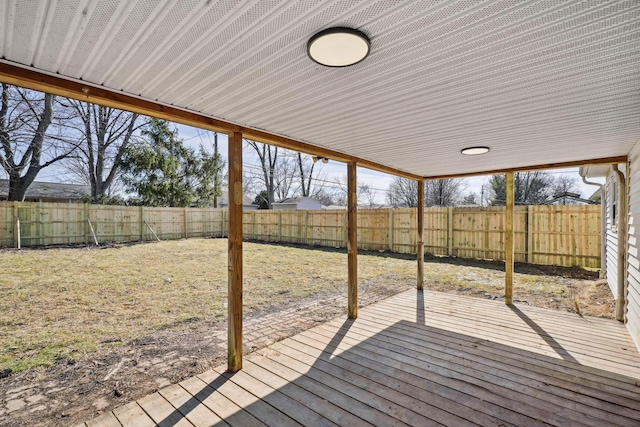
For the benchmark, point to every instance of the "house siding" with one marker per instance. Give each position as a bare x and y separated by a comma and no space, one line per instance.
632,313
304,203
309,204
284,206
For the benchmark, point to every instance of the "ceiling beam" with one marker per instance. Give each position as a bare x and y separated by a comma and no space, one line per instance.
81,91
572,164
76,89
292,144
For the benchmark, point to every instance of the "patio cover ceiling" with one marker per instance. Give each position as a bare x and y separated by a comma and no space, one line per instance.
539,82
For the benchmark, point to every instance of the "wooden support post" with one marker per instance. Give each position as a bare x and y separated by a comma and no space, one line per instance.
352,240
234,348
450,231
508,242
420,239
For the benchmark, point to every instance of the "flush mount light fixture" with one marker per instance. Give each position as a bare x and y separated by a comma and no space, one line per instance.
474,151
338,47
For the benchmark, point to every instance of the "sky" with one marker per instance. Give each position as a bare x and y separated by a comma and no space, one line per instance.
333,170
377,180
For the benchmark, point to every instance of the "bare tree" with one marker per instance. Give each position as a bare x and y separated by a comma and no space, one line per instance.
33,136
310,185
106,135
219,177
565,190
285,175
444,192
402,192
565,184
282,173
325,197
530,188
268,156
365,194
470,199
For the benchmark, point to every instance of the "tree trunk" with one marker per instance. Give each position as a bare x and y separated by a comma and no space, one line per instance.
18,185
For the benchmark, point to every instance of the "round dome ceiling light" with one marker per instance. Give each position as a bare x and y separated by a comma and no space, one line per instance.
338,47
474,151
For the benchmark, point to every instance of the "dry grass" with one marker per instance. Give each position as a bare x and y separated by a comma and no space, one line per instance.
67,303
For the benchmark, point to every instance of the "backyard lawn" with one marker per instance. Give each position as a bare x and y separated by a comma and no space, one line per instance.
67,303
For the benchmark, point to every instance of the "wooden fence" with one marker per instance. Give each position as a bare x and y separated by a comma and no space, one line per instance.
555,235
65,223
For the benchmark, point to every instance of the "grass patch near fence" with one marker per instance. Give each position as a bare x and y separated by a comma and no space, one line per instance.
66,303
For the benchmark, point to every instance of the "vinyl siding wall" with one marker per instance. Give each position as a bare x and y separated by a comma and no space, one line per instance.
633,247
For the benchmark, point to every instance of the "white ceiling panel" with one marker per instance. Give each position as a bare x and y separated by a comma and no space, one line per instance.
537,81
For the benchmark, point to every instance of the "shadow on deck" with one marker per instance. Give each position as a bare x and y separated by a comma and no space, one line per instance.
418,359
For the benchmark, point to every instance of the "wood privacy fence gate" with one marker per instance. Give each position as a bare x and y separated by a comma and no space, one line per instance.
555,235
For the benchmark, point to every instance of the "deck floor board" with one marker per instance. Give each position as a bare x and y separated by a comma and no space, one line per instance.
539,375
418,358
498,381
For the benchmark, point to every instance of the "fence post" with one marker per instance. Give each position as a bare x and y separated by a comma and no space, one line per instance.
344,228
306,227
141,223
222,222
450,231
16,225
280,226
70,209
529,226
85,224
186,225
40,223
253,225
391,224
18,232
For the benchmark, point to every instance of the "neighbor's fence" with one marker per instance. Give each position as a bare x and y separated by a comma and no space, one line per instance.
556,235
66,223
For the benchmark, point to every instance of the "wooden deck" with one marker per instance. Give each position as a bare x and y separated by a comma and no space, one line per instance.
418,359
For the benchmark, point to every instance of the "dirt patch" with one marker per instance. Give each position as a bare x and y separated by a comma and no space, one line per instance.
71,391
133,333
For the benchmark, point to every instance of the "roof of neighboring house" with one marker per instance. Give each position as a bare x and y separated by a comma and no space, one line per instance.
295,200
568,195
224,199
596,196
49,190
